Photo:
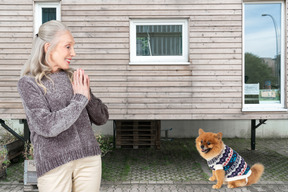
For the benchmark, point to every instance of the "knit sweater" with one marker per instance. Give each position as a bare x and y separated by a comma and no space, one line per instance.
60,121
232,163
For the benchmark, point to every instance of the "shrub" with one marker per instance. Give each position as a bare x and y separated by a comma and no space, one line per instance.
106,144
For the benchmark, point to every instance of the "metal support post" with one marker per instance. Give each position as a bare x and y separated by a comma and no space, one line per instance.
253,131
26,131
114,133
253,134
2,122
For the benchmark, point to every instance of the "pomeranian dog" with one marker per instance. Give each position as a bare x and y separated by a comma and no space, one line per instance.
227,166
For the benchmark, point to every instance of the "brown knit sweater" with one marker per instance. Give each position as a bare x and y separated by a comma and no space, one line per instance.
60,121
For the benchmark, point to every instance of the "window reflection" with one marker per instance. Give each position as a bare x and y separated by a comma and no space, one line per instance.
159,40
262,53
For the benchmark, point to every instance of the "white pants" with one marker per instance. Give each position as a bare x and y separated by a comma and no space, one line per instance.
82,175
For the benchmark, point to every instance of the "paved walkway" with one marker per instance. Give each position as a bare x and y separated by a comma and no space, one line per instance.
185,187
273,153
170,187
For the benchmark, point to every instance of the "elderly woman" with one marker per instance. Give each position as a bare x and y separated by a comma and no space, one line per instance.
60,107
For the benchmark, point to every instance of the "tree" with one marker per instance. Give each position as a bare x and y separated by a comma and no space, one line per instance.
257,71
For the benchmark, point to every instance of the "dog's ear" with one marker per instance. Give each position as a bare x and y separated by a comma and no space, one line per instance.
201,131
219,135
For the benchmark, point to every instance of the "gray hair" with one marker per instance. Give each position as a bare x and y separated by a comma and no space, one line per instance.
37,64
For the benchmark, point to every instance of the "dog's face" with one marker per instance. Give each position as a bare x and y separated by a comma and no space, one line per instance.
208,144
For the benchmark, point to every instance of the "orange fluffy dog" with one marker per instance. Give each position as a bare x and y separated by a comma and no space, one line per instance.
226,164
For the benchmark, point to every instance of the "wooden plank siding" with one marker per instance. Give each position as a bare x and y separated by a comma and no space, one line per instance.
16,30
209,88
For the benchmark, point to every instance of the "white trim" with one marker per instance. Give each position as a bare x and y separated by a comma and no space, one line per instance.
283,42
218,167
266,107
159,63
263,108
38,13
239,177
170,60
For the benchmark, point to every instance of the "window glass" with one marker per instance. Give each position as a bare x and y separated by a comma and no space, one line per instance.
46,11
262,26
48,14
159,40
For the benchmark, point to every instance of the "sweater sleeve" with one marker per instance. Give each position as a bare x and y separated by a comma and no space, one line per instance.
98,111
45,122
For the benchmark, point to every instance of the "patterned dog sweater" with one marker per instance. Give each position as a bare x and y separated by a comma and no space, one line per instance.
232,163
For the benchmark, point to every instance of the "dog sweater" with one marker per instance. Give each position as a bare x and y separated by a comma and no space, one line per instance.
232,163
60,121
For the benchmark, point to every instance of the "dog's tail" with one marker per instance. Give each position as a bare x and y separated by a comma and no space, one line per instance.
257,171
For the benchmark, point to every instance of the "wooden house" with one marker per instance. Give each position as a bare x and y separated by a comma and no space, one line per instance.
161,59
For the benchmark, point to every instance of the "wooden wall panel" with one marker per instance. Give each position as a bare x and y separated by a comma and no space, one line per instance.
210,87
16,28
210,84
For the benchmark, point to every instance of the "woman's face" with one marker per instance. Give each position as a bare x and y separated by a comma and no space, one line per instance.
60,57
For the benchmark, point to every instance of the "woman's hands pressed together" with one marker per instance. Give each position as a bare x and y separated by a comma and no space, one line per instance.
81,83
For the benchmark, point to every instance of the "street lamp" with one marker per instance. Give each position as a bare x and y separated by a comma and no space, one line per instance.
277,68
275,27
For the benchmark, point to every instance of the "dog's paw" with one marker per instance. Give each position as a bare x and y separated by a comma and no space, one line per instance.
230,186
216,186
212,178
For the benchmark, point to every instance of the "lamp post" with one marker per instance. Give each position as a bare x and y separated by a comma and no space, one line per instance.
275,27
277,68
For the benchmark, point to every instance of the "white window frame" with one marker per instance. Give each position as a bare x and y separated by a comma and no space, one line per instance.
38,13
154,60
267,107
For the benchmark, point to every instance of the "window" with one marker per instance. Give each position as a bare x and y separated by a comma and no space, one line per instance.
263,56
158,41
45,12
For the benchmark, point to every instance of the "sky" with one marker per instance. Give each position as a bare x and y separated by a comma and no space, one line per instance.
260,38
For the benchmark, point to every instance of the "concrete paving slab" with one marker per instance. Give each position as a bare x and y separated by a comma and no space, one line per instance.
273,153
